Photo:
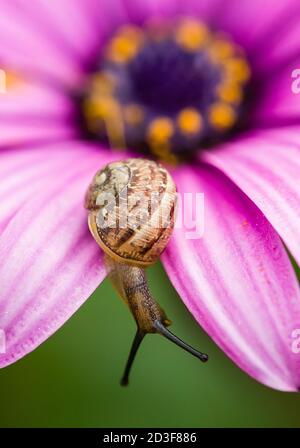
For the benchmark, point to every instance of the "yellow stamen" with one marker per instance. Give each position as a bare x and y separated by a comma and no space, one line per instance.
220,49
125,45
103,84
159,133
163,152
191,35
189,121
108,110
230,93
222,116
93,119
161,130
134,114
237,69
99,107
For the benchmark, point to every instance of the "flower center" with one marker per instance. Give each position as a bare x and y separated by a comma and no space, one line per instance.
166,88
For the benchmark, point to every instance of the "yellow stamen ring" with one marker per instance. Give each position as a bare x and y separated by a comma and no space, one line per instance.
220,49
230,93
222,116
237,69
191,35
160,130
103,83
189,121
125,45
115,108
105,112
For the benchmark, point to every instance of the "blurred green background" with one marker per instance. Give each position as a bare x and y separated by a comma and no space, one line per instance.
73,379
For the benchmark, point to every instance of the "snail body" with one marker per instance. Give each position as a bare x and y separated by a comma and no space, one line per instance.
131,213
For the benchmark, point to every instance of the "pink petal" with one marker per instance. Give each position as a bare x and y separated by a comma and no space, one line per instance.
31,112
20,132
23,173
49,263
69,24
32,101
267,168
275,102
141,10
27,50
280,47
52,40
237,280
252,23
55,41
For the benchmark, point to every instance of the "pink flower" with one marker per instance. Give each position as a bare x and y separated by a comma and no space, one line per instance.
237,280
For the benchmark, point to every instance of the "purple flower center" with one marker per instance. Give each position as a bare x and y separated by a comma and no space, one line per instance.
168,79
166,88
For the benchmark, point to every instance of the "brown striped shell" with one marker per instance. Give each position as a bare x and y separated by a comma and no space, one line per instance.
131,207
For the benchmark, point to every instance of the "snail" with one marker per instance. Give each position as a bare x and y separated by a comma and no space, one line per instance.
131,214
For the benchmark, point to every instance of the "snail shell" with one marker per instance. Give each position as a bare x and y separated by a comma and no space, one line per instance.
135,226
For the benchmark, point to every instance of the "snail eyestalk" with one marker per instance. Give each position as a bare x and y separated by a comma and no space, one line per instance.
131,284
139,336
128,250
161,329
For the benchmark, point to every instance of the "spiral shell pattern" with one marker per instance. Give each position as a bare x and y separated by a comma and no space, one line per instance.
131,207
